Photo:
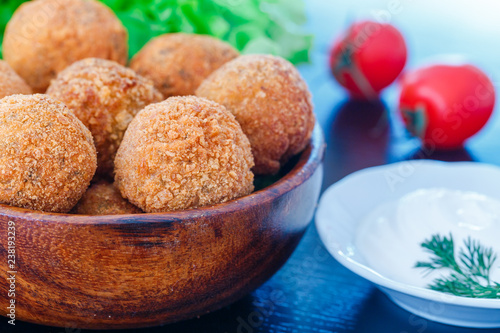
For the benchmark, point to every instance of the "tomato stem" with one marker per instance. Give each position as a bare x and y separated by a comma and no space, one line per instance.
416,120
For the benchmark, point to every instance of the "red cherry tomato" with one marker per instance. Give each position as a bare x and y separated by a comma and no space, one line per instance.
445,105
368,58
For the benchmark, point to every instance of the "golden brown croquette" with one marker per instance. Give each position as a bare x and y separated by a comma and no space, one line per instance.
45,36
178,62
103,198
105,96
184,152
271,102
10,82
47,156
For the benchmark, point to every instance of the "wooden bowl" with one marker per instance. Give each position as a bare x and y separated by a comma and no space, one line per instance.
130,271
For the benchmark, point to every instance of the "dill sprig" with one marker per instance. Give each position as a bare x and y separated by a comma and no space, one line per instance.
469,274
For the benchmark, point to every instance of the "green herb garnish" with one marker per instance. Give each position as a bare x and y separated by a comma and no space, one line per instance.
469,275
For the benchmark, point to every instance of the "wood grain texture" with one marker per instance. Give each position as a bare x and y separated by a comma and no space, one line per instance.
142,270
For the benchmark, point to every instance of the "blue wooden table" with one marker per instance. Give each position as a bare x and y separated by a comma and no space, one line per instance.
312,292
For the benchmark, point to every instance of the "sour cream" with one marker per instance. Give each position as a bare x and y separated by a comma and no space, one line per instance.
389,237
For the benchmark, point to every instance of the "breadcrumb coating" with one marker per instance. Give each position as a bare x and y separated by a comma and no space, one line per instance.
271,102
10,82
45,36
103,198
47,156
184,152
105,96
179,62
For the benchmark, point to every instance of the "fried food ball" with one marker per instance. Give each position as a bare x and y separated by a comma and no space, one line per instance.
105,96
271,102
103,198
45,36
10,82
184,152
178,62
47,156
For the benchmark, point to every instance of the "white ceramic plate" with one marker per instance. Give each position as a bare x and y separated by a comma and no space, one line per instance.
345,204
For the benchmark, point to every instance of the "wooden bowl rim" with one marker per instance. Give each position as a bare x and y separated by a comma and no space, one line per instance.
309,160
